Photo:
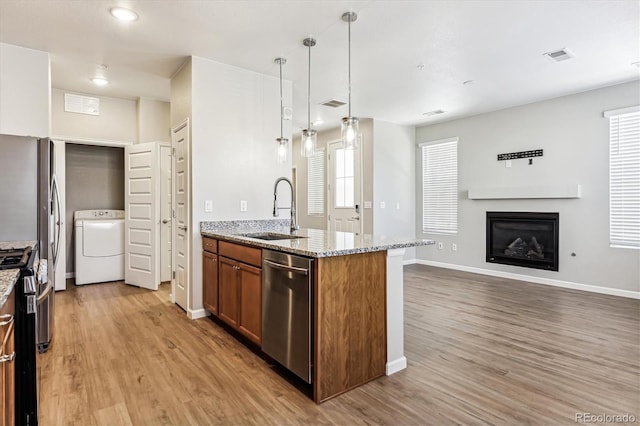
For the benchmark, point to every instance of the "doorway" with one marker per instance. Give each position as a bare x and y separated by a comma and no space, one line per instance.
344,191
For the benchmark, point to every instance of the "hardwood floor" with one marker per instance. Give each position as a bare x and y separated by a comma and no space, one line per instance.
480,350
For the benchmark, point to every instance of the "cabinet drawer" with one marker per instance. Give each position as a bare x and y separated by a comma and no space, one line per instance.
249,255
210,245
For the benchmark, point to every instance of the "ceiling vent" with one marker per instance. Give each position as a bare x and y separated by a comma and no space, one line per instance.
333,103
434,112
81,104
559,55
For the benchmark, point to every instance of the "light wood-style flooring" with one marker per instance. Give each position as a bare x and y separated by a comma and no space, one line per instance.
481,350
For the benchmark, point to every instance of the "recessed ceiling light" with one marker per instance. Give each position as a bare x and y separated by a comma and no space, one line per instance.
123,14
99,81
434,112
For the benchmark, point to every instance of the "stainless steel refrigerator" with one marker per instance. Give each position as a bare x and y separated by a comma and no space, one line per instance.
30,210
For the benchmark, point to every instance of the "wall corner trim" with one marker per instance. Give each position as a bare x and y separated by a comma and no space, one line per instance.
197,313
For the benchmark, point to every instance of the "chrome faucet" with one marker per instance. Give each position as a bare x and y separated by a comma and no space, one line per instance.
294,225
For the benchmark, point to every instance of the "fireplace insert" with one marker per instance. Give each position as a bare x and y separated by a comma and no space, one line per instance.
523,239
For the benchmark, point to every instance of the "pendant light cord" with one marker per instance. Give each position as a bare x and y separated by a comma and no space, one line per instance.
281,105
309,91
349,66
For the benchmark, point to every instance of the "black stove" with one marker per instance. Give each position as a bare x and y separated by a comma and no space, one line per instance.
14,258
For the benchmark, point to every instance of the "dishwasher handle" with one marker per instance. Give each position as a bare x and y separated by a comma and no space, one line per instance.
293,269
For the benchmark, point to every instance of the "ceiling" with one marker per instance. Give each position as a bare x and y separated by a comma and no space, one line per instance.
499,44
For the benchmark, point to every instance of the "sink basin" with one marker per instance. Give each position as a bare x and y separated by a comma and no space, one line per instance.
269,236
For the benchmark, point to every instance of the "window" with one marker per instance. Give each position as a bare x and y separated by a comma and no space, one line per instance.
440,186
624,177
345,177
315,184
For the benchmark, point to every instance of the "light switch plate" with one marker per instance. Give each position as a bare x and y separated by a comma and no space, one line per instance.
208,206
243,205
367,204
383,205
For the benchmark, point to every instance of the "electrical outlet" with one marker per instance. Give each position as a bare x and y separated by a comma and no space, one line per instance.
507,164
383,205
440,246
208,206
454,247
243,205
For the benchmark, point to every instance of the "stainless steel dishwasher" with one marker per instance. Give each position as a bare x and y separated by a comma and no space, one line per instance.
287,291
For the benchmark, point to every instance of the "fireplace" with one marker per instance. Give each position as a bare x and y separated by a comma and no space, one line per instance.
523,239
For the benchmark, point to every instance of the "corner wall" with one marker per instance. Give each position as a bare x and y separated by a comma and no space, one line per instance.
575,138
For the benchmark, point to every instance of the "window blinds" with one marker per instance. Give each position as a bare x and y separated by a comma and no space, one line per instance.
624,177
315,184
440,187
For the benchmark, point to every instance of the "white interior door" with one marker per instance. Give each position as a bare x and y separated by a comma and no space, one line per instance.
142,215
344,188
181,214
165,213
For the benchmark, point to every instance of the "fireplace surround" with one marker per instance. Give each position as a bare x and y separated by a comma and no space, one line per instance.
527,239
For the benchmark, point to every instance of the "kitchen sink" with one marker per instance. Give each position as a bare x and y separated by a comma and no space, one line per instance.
269,236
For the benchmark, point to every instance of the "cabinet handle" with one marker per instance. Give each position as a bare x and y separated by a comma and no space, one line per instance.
8,358
182,228
8,319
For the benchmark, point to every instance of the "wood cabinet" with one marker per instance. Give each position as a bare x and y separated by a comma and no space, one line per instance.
210,275
240,289
7,367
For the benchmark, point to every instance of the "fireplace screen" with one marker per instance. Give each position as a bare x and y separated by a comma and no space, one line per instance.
523,239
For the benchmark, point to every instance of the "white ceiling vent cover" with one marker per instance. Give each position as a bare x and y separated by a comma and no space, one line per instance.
560,55
81,104
333,103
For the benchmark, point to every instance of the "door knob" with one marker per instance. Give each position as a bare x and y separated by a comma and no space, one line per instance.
165,220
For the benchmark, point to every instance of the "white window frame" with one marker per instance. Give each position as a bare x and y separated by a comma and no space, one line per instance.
316,203
440,186
624,177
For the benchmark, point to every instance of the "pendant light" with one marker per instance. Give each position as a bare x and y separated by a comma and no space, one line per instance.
350,132
309,140
283,143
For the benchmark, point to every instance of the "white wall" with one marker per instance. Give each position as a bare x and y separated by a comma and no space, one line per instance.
574,135
25,91
235,121
154,121
117,120
394,181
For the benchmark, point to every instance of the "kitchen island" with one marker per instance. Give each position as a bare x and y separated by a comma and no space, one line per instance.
357,296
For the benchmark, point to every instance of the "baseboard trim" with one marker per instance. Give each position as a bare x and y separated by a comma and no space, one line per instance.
537,280
197,313
70,275
396,365
410,262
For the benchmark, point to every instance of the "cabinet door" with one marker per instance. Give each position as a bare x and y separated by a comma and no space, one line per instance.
210,282
250,321
228,291
8,384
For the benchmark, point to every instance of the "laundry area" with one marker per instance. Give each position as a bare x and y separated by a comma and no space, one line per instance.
103,139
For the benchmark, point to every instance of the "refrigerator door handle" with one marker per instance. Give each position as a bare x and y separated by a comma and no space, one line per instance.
58,223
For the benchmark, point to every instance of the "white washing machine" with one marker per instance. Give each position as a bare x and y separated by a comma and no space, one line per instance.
99,246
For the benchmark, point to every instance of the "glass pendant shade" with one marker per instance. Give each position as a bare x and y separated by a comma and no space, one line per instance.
350,132
283,149
308,142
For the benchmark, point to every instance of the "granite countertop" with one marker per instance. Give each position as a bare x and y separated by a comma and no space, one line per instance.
316,242
8,277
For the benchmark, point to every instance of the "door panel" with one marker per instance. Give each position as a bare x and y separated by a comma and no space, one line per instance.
250,321
181,214
142,216
344,189
228,291
210,282
165,213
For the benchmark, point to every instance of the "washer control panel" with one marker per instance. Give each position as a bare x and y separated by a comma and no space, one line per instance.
99,214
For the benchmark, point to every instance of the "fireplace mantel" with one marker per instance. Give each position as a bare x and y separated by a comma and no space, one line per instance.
525,192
